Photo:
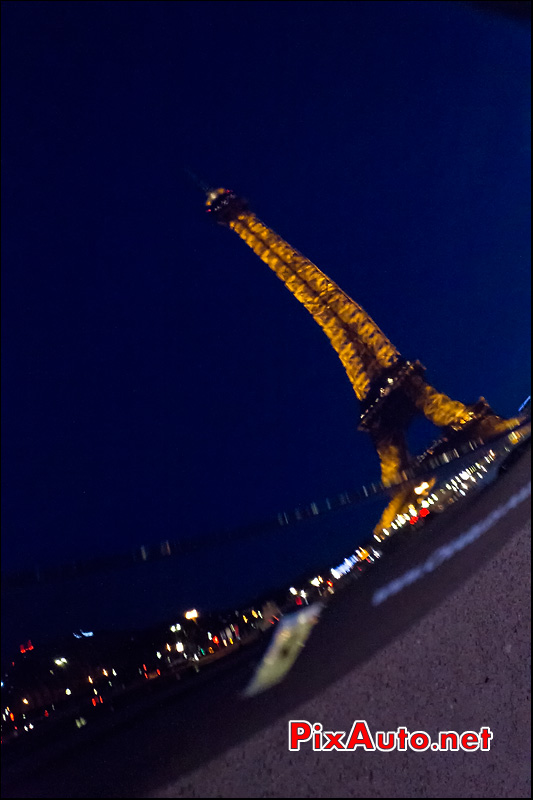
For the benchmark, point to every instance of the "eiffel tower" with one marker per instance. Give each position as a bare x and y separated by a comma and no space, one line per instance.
391,389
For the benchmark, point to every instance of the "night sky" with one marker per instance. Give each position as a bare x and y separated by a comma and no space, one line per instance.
158,379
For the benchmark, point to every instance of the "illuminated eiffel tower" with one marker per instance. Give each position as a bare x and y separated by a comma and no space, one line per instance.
391,389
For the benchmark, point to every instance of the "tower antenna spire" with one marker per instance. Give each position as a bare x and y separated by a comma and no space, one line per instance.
196,181
391,389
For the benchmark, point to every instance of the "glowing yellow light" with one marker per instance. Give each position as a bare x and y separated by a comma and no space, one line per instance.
192,614
25,701
422,488
168,647
105,672
254,614
362,347
245,618
90,679
67,691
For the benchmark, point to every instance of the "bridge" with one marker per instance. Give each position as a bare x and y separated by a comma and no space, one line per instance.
429,590
442,510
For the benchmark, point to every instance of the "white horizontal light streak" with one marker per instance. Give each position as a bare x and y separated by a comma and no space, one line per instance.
445,552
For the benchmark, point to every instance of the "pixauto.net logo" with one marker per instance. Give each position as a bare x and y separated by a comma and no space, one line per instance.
301,731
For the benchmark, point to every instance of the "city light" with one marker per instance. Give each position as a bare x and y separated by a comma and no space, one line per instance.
177,661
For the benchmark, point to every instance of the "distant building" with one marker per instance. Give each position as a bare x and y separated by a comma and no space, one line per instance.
270,615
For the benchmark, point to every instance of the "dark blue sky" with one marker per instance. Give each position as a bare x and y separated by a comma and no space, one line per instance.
158,379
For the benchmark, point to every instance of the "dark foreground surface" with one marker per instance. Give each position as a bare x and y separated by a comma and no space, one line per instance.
449,650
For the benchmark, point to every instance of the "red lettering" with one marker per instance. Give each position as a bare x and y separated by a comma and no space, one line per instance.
451,738
389,744
419,741
334,740
299,731
402,735
485,735
360,737
469,740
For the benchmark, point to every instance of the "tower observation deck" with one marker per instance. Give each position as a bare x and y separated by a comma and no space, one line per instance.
391,389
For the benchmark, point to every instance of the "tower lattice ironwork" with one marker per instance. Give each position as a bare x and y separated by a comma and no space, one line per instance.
391,389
